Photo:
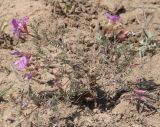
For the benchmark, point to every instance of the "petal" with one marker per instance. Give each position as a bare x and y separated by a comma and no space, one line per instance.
22,63
16,30
25,19
24,60
108,15
28,76
15,52
15,23
20,26
17,62
113,18
140,92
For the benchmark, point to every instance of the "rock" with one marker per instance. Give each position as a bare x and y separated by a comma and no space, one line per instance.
121,108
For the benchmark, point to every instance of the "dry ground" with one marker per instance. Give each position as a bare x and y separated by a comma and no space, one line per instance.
80,26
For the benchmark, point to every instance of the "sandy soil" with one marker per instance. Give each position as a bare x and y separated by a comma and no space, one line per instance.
81,25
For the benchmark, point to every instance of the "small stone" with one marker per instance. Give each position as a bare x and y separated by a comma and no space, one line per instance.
96,110
90,44
76,121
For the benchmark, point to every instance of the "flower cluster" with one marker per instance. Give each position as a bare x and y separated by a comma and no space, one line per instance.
23,63
20,27
20,30
139,95
115,26
112,18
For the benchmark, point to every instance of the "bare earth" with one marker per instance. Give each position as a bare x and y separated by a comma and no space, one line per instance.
80,26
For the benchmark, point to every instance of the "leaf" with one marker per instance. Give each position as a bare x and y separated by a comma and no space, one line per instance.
3,92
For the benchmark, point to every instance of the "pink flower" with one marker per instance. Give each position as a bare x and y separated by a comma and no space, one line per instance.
20,26
112,18
22,63
122,36
140,92
140,95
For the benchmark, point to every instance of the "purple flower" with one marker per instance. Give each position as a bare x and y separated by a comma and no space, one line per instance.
20,26
16,53
28,76
112,18
22,63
